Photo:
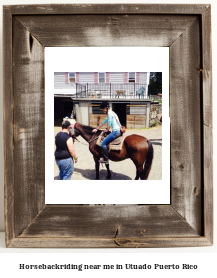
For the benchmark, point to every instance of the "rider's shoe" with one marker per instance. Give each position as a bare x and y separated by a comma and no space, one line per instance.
105,156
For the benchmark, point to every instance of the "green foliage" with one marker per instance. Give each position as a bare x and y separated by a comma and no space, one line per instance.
155,84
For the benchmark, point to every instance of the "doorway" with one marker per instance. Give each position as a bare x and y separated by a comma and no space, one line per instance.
120,110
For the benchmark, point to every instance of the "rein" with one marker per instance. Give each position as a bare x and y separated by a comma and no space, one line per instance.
93,139
87,141
79,141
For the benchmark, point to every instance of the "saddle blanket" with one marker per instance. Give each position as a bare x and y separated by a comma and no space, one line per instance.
116,144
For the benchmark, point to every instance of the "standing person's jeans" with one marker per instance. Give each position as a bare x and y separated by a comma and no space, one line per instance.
66,168
109,138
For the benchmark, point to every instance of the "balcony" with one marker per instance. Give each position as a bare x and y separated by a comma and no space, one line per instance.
112,90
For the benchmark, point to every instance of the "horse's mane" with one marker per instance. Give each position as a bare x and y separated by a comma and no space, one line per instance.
88,129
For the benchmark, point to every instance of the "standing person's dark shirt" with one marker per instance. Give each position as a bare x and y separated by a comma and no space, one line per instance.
61,146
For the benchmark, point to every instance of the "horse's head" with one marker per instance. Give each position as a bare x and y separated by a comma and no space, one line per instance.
73,132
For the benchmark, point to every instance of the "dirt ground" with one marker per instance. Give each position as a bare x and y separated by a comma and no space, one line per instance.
84,169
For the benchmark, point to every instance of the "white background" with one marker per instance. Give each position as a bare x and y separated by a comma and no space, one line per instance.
205,257
59,59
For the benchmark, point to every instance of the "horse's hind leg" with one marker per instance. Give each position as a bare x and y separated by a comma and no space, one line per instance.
139,171
138,159
137,176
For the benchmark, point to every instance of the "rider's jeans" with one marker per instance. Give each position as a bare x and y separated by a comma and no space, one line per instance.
109,138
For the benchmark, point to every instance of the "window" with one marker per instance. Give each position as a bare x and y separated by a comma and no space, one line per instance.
131,77
95,109
101,77
71,77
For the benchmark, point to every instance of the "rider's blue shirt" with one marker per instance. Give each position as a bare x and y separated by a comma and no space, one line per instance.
112,121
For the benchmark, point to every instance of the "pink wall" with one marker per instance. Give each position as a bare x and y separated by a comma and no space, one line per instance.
126,77
95,77
66,77
107,77
77,77
137,77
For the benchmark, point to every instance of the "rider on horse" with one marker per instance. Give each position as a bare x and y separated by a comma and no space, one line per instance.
113,123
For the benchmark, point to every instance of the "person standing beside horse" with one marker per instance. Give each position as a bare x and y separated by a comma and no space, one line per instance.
65,152
114,124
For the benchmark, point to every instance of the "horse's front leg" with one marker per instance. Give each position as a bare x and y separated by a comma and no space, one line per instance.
96,167
108,172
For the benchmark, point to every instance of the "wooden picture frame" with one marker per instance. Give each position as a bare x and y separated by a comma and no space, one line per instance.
186,30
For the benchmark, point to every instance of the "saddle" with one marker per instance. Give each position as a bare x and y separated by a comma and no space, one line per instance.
116,144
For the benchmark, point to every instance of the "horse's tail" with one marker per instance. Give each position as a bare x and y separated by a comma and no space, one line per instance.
148,161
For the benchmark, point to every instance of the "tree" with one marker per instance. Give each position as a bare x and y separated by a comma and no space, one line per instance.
155,84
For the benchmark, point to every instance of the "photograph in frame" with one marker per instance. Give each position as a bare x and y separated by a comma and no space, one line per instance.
127,96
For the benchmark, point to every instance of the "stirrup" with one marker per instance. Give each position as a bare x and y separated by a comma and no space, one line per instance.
102,161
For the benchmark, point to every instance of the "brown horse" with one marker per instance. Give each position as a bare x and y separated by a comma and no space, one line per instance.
138,148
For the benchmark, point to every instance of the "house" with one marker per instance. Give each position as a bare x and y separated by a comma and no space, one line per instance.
80,94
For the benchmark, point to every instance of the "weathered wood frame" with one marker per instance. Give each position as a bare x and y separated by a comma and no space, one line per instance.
186,29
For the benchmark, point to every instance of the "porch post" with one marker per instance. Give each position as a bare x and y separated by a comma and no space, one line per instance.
147,114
